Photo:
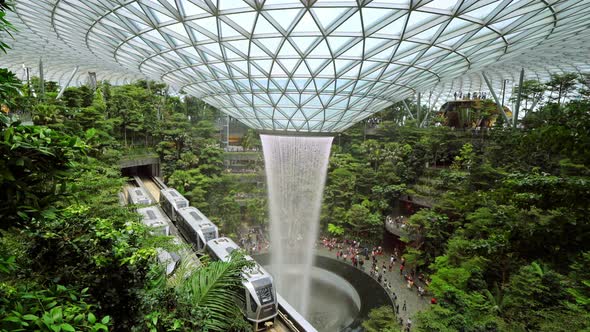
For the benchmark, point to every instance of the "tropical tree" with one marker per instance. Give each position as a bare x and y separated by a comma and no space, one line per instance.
5,26
584,80
562,84
382,320
9,88
251,140
532,91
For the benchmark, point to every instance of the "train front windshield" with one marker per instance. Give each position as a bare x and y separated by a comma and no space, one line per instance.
209,236
264,291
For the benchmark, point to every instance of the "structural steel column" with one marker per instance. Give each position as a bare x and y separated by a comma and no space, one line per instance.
61,92
41,79
92,80
517,108
500,108
419,108
28,71
407,108
503,92
228,118
430,109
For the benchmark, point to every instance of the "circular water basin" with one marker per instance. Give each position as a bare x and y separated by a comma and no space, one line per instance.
341,295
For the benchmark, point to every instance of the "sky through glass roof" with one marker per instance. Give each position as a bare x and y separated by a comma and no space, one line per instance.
309,66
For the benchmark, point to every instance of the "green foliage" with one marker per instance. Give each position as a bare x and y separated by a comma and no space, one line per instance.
34,169
382,320
213,288
9,83
580,289
531,91
251,140
56,309
5,26
335,230
465,158
562,84
200,299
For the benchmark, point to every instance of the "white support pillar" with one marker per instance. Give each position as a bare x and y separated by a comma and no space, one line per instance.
498,105
408,109
61,92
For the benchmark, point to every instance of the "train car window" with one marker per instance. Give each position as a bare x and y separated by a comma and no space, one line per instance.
253,305
151,214
173,194
195,215
209,236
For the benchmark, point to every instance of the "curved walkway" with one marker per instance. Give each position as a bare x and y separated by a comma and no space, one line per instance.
414,303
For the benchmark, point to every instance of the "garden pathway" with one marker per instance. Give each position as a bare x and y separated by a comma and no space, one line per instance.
414,302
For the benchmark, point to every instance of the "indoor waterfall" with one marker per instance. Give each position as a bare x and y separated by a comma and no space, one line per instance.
296,168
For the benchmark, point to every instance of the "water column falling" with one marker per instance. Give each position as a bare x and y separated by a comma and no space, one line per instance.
296,168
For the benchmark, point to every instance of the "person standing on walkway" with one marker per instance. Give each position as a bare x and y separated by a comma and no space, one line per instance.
397,309
391,261
404,308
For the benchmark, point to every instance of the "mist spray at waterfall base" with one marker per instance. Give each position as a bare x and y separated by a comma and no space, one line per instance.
296,168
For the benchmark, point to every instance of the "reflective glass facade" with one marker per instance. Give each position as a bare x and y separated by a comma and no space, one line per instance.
310,66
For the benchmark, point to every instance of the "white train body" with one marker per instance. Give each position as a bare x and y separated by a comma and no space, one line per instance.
260,295
171,201
196,227
153,217
138,196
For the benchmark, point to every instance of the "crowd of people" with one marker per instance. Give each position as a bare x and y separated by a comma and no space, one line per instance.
470,95
398,222
364,258
368,259
254,241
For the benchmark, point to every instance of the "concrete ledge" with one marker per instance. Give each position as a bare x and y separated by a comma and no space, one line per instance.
142,161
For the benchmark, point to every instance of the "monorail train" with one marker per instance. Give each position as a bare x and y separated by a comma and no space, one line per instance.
196,227
153,217
260,295
169,259
171,200
137,195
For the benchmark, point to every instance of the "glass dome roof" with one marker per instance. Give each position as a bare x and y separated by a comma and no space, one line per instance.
309,65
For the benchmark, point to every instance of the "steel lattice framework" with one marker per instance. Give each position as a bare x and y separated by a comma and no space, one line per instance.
309,65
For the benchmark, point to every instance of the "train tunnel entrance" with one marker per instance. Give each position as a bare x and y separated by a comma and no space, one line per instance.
141,171
143,167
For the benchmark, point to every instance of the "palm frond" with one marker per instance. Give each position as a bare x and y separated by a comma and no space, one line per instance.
214,287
